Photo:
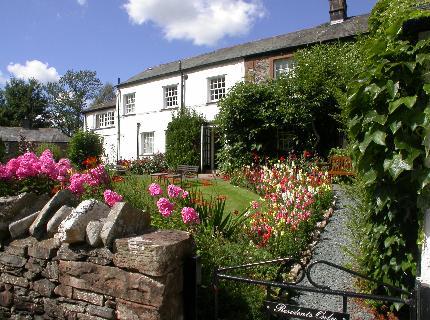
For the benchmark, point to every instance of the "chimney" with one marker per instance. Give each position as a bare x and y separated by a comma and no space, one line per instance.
337,11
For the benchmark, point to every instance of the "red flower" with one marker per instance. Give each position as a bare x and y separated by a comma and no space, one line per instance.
307,154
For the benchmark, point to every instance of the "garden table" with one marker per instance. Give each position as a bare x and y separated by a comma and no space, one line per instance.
158,176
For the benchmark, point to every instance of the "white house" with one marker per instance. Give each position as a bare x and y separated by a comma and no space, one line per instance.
135,125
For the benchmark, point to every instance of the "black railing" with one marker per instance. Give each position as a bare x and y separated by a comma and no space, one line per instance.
404,297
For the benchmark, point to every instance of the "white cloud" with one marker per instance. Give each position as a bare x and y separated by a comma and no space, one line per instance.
34,69
202,21
82,2
2,79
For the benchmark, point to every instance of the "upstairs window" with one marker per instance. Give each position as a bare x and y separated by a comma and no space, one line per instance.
171,96
283,67
129,103
147,142
216,88
105,120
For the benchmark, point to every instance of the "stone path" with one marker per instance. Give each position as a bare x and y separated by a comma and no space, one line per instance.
334,239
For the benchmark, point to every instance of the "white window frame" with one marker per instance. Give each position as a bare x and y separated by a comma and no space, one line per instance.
170,96
147,142
216,88
283,66
105,119
130,103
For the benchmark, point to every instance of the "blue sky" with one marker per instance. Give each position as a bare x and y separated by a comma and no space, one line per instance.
120,38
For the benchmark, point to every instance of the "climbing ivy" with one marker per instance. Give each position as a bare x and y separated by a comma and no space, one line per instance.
389,123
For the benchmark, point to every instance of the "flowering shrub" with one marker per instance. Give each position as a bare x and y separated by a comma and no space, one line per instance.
155,190
43,175
28,172
189,215
289,194
147,165
111,197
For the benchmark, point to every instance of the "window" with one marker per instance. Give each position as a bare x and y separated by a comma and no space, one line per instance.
147,142
105,120
286,141
171,96
216,88
129,100
283,66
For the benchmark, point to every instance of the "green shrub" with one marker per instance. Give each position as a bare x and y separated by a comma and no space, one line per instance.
2,150
83,145
57,152
156,163
183,138
388,124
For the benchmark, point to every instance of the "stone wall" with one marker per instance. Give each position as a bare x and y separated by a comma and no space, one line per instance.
64,260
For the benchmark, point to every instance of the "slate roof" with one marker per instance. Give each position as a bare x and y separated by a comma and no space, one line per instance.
51,135
323,33
106,105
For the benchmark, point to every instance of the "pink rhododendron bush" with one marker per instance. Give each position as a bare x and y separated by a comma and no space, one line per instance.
43,174
292,200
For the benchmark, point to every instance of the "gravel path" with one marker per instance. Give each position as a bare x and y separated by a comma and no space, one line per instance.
334,239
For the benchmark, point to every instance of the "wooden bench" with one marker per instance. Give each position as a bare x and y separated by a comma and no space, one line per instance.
188,171
340,166
120,170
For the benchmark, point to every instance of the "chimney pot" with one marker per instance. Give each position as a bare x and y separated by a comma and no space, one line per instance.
338,11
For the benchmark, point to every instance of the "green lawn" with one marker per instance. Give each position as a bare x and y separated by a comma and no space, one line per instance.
236,198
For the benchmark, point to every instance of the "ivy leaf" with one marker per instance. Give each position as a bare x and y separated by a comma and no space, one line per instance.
392,88
370,176
373,116
407,101
422,57
396,166
374,89
394,126
378,137
426,88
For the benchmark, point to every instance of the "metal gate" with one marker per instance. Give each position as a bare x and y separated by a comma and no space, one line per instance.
281,309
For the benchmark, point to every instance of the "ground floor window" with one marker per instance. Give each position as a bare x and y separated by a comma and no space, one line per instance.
147,142
285,141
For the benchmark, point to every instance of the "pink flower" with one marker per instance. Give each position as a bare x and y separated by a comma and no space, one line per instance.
165,207
189,215
255,204
155,190
185,194
173,191
111,197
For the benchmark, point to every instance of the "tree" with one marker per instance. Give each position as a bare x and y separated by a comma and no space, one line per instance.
105,94
24,100
183,138
70,96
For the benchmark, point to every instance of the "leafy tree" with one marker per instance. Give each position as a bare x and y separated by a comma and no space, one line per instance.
389,116
183,138
24,100
69,96
105,94
84,145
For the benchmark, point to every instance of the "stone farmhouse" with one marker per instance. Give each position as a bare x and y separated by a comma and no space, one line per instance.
134,125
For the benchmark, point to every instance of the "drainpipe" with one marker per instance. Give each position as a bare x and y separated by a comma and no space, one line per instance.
118,134
183,78
137,140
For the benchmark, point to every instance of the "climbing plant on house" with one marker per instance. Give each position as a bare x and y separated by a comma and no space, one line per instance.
389,123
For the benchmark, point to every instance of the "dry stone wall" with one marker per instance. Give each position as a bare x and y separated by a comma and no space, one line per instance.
87,262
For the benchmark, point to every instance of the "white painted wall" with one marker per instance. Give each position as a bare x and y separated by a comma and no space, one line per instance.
149,104
425,257
108,134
